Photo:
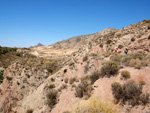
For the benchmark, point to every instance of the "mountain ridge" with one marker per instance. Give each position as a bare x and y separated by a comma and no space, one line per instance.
77,41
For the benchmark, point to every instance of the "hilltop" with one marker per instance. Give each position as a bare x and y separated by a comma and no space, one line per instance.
91,79
78,41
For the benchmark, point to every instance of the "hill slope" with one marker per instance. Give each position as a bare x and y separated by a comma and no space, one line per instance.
89,80
78,41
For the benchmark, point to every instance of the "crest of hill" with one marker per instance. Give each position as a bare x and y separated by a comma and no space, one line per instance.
77,41
39,44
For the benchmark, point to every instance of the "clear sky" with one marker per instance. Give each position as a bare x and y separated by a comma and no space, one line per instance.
25,23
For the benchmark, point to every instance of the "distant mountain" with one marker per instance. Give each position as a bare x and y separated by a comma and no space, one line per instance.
77,41
39,44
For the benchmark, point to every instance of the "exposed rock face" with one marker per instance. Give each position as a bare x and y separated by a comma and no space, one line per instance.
18,83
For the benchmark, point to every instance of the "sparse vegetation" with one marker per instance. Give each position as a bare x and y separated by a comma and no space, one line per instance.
109,41
109,69
84,89
72,80
51,98
64,86
101,45
136,60
52,79
66,80
7,55
144,98
146,21
120,46
73,85
86,68
51,86
9,78
18,54
29,111
95,106
129,93
94,76
142,82
1,76
135,63
85,58
125,74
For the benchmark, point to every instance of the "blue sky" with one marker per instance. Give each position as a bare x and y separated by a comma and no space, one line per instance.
25,23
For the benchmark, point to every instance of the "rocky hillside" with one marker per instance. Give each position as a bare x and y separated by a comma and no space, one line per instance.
94,79
78,41
67,47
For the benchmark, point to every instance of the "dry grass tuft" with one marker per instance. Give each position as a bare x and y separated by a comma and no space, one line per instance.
94,105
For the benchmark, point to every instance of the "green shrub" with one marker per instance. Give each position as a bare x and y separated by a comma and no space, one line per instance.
101,45
84,89
129,92
94,76
94,54
52,79
144,98
51,98
109,41
1,76
85,58
66,80
120,46
125,74
86,68
138,55
18,54
64,86
142,82
109,69
51,86
13,49
136,63
116,57
73,85
50,70
29,111
132,93
72,80
117,90
126,59
9,78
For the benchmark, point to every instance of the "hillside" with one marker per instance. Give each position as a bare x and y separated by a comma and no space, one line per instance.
93,79
67,47
78,41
